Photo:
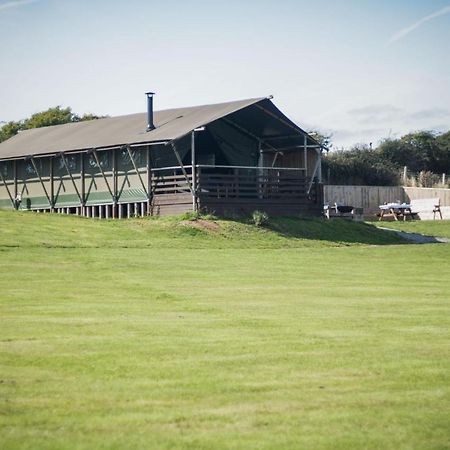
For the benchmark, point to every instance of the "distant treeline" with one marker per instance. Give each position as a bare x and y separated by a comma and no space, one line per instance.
423,152
52,116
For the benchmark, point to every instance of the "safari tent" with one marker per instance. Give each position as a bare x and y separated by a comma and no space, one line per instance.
227,158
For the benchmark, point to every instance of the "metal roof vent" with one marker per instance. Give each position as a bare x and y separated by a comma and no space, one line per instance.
150,124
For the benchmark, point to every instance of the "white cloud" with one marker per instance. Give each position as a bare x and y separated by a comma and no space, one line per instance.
15,4
404,31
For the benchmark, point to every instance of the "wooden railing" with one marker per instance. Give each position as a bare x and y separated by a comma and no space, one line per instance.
231,182
171,180
250,182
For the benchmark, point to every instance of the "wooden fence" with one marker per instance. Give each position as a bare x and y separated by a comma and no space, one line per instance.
370,197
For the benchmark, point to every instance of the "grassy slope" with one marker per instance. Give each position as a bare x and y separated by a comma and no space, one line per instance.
255,340
44,230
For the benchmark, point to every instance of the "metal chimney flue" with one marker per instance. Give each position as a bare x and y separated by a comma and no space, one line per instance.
150,123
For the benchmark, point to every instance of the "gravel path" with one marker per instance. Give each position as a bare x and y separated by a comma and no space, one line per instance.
418,238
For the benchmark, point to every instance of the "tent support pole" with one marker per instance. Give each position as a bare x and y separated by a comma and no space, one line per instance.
50,202
194,173
94,152
52,184
83,193
149,180
275,158
180,162
270,113
8,191
319,155
71,177
16,191
305,155
249,133
136,169
115,183
316,169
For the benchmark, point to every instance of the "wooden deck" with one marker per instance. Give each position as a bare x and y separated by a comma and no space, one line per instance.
228,190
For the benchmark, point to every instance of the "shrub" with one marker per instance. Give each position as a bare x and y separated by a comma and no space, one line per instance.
190,215
260,218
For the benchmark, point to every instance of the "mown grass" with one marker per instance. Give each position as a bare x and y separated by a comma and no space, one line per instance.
140,334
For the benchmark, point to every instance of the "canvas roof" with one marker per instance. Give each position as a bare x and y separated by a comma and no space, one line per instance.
129,129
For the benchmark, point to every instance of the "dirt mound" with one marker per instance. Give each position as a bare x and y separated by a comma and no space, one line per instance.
202,224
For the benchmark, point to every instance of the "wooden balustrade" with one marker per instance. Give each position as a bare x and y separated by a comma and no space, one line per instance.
224,187
251,183
174,183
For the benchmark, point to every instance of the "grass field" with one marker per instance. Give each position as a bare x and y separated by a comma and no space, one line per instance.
171,334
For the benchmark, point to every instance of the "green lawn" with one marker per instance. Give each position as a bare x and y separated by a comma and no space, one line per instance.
169,334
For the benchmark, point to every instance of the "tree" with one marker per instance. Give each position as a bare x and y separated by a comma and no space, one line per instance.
9,129
420,151
52,116
321,138
443,153
360,165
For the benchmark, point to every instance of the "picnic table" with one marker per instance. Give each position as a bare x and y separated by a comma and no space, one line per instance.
396,210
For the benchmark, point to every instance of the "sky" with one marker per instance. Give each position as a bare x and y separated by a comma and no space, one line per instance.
361,70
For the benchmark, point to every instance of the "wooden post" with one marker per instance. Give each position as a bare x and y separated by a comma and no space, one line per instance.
319,170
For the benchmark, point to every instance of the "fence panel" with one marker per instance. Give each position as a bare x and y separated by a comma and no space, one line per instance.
370,197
